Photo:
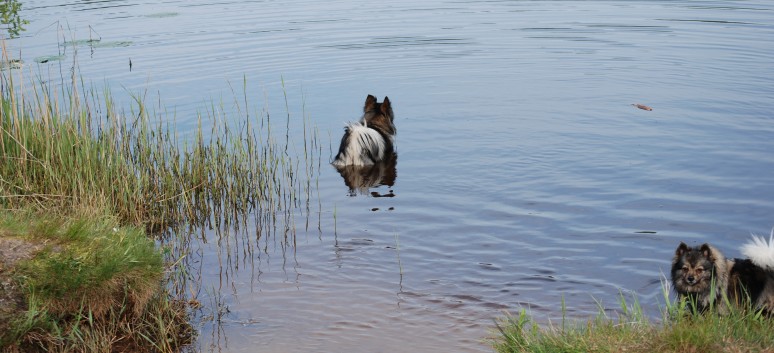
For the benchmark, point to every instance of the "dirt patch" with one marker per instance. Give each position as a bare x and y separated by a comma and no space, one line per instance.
13,250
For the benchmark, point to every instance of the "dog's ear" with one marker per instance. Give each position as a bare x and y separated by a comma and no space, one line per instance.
386,107
706,250
681,249
370,103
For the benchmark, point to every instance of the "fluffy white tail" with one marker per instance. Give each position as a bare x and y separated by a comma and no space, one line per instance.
760,252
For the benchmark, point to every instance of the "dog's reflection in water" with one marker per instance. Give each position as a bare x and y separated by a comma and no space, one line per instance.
360,179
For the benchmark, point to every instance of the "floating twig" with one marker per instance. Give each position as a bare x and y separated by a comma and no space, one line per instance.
643,107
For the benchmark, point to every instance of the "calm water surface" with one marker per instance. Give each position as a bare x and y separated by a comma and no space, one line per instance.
524,174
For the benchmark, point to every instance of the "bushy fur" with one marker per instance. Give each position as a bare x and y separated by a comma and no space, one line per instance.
702,275
370,140
759,252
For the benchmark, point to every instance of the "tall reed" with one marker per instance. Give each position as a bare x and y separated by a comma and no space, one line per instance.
68,147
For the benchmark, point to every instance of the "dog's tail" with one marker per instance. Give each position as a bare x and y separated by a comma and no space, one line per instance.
760,252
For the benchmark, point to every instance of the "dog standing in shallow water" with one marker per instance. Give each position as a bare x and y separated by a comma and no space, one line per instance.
371,140
703,275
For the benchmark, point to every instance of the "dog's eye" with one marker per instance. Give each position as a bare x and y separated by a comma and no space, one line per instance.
699,270
685,268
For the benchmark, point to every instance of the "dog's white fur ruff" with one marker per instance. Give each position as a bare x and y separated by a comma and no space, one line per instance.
364,145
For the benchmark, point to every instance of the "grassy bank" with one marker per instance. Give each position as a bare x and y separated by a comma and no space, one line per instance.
76,275
85,187
632,331
84,284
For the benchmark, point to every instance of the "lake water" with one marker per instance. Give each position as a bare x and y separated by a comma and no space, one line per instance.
524,175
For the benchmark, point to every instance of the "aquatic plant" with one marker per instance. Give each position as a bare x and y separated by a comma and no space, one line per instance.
9,16
69,147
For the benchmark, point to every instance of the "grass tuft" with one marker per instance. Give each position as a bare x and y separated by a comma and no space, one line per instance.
91,287
631,331
92,265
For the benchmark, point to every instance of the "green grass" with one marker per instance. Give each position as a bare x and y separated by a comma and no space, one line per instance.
89,263
93,286
632,331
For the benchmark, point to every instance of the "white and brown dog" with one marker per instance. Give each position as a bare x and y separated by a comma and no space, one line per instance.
370,140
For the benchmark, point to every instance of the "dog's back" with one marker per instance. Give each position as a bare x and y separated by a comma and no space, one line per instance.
370,140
